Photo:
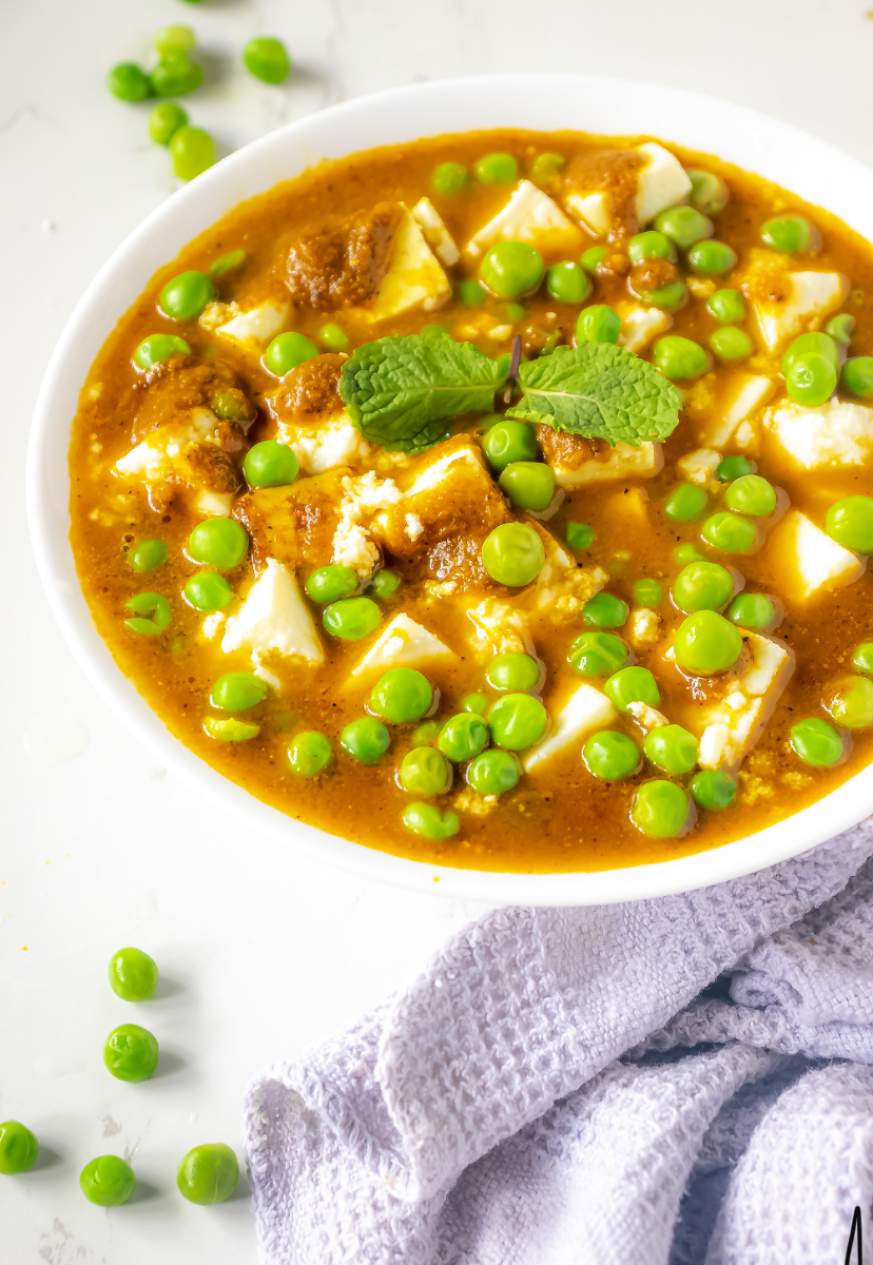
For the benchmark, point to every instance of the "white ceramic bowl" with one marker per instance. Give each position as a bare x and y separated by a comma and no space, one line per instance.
811,168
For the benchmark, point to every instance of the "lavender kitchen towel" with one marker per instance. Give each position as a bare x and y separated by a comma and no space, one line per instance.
683,1081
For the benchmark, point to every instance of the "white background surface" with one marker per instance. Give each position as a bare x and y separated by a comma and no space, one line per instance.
107,848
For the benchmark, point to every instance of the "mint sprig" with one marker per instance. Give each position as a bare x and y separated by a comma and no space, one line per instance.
599,391
402,391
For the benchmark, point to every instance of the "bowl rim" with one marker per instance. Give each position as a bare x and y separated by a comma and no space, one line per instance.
666,109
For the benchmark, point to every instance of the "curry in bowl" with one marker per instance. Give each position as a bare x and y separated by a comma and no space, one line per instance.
502,500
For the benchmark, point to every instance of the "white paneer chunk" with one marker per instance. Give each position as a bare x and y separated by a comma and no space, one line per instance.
161,455
499,627
414,277
624,461
643,628
435,232
806,560
529,216
646,716
639,325
562,587
403,643
274,619
256,327
699,466
732,421
336,442
353,544
837,435
729,726
788,303
661,182
592,210
213,504
584,710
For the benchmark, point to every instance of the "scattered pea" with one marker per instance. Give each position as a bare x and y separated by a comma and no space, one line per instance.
598,323
425,771
751,494
175,75
734,468
597,654
686,502
660,809
238,692
470,292
530,485
816,742
856,376
849,702
151,614
267,59
401,695
593,257
680,358
351,618
702,585
513,671
18,1148
512,269
862,657
178,38
709,193
850,523
841,328
384,584
207,591
107,1181
513,554
632,685
493,772
611,755
230,729
753,610
287,351
517,721
729,533
791,234
192,150
427,820
218,542
685,553
647,592
450,178
423,735
545,167
496,168
567,282
147,555
208,1174
579,535
712,258
671,749
605,610
650,245
464,735
706,644
228,262
156,348
365,739
129,82
475,702
133,975
270,464
333,337
713,789
668,298
508,442
131,1053
727,306
330,583
165,120
731,343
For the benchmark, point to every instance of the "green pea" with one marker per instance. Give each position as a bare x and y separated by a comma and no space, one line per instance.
147,555
401,695
815,342
384,584
684,554
463,736
579,535
734,468
513,672
671,749
660,809
841,328
650,245
230,729
850,702
731,343
514,312
709,193
133,975
333,336
287,351
727,306
850,523
192,150
107,1181
228,262
546,166
605,610
184,297
512,269
598,323
507,442
810,377
450,178
751,494
517,721
680,358
330,583
567,282
597,654
857,376
470,292
270,464
218,542
156,348
593,257
530,485
309,753
427,820
496,168
753,610
151,614
365,739
131,1053
684,225
18,1148
238,691
175,74
701,586
647,592
178,38
706,643
493,772
713,789
424,734
862,657
632,685
475,702
208,1174
816,742
611,755
129,82
513,554
712,258
267,59
351,618
668,298
165,120
729,533
207,591
791,234
425,771
685,502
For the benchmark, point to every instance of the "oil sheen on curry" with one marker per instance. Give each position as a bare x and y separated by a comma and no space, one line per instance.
500,500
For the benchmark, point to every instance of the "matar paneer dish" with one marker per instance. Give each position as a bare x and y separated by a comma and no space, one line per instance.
501,500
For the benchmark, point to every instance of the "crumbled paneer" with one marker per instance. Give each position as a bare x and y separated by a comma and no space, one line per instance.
470,801
435,232
728,417
326,445
807,561
403,642
252,329
274,619
786,303
584,710
499,627
528,216
640,325
353,543
699,466
562,587
835,436
644,628
192,451
646,716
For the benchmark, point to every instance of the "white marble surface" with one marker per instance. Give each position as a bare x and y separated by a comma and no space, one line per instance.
100,847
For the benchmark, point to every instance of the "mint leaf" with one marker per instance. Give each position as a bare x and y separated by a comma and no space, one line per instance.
402,391
600,391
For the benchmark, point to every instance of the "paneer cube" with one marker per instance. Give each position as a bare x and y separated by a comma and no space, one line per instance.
437,236
325,445
807,562
577,461
659,181
582,712
403,642
640,324
728,418
528,216
253,329
835,436
274,619
193,451
644,628
414,278
699,466
294,524
562,587
787,303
